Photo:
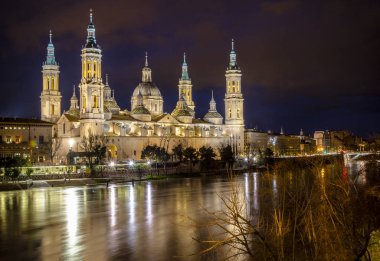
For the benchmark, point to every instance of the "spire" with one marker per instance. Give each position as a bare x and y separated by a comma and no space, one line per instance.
232,64
91,40
50,58
74,95
113,93
107,79
73,101
212,102
185,73
146,71
282,131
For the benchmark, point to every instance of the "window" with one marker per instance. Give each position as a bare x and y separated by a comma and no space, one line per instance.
84,102
40,139
238,113
134,153
64,128
52,83
8,139
155,107
17,139
230,112
52,109
95,101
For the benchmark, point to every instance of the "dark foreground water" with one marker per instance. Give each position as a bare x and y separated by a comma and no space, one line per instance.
148,221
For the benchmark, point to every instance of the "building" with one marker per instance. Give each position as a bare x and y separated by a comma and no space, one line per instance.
338,140
26,138
95,112
279,143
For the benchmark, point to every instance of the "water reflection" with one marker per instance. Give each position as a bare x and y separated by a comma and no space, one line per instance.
147,221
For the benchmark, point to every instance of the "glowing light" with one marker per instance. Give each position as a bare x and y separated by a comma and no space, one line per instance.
148,162
71,143
245,159
131,163
112,164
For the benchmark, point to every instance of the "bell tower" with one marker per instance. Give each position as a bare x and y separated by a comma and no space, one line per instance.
233,100
50,95
185,86
91,85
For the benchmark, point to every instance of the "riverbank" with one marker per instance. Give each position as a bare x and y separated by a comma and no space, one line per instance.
68,181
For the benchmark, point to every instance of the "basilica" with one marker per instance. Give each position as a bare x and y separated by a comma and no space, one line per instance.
94,109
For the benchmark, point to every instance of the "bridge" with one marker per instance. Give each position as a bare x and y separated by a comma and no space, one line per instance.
352,156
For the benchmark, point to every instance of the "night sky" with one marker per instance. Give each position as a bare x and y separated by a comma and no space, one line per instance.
306,64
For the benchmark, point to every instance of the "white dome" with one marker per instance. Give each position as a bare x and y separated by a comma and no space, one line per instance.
147,89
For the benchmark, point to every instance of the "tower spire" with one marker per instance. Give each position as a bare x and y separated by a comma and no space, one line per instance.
146,71
233,64
91,40
50,58
212,102
106,78
74,91
185,72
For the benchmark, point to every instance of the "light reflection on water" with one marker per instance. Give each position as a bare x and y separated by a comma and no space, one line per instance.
147,221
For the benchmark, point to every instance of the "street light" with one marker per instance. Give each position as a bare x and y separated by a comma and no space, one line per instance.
131,163
71,143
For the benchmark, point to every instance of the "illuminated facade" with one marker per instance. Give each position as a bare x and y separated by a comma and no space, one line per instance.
129,131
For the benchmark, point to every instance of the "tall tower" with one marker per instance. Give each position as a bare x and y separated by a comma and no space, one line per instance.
233,100
50,95
91,85
185,86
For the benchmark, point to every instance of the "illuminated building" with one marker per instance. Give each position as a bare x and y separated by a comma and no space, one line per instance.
26,138
129,131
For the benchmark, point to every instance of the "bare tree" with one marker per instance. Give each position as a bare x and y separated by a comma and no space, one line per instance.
52,147
313,216
95,147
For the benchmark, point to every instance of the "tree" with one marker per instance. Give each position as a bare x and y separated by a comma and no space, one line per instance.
12,167
155,153
52,147
95,147
207,156
190,154
227,156
178,151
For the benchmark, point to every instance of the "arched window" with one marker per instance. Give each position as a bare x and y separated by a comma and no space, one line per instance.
48,83
238,113
52,83
52,109
230,112
94,75
88,70
95,101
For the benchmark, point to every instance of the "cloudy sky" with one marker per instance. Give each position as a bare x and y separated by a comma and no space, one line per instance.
306,64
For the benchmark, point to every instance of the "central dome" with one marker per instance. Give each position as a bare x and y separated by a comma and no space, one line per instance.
151,95
147,89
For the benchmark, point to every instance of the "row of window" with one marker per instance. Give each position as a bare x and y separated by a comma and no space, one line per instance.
13,128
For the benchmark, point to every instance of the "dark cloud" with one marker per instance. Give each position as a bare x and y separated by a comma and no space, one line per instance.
305,64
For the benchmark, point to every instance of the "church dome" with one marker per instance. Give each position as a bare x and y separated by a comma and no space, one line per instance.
213,115
147,89
140,110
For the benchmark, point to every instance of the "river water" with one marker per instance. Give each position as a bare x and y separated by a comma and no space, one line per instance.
150,220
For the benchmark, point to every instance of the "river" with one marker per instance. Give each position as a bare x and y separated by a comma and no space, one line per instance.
150,220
